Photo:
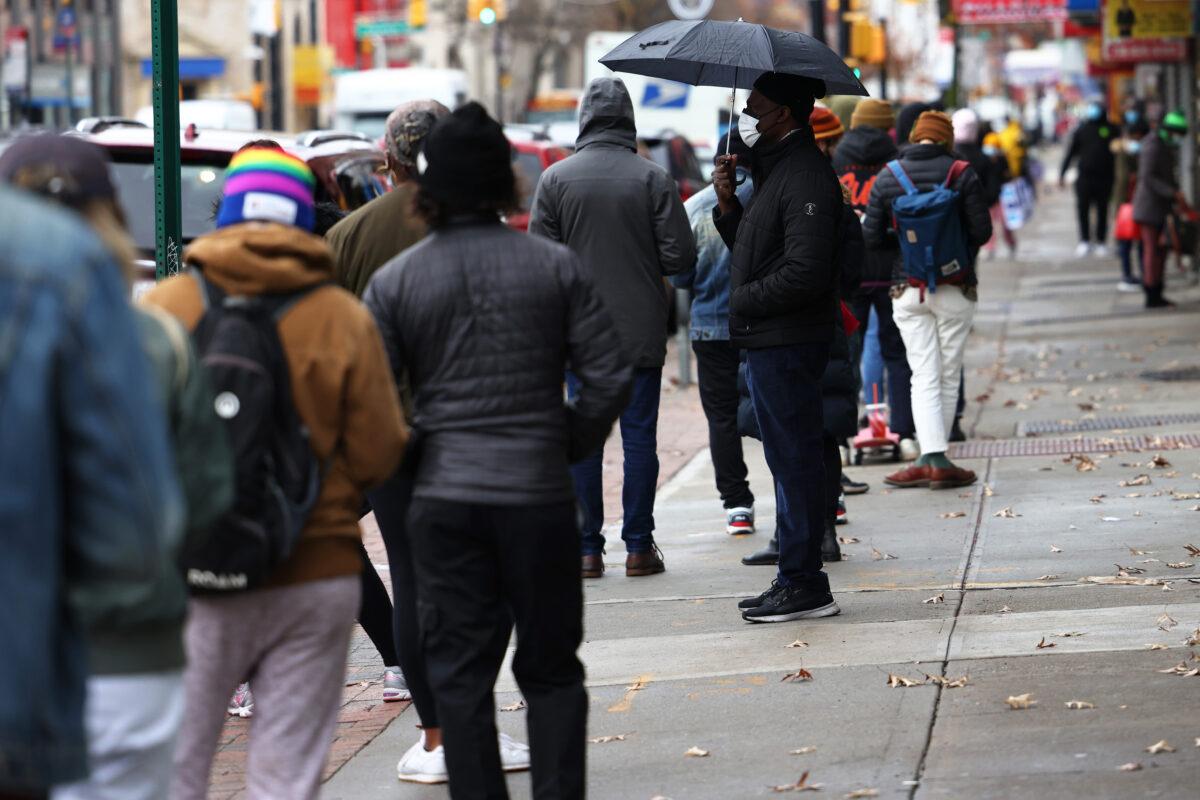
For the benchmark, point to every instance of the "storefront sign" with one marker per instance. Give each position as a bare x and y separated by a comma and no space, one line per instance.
1146,30
1008,12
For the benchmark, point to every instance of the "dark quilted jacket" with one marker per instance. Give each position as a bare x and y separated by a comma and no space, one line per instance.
927,166
782,275
485,321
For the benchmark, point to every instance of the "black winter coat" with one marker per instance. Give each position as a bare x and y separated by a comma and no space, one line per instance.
782,273
1091,144
863,152
927,166
485,321
984,167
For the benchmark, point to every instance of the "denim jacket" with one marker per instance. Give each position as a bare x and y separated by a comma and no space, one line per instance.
709,281
86,479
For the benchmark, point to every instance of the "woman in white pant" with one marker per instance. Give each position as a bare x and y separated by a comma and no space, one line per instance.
933,323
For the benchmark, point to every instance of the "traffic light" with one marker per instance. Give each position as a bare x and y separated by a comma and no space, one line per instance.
487,12
868,42
417,14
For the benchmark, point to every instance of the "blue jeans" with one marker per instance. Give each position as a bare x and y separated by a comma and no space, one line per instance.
785,385
872,362
639,438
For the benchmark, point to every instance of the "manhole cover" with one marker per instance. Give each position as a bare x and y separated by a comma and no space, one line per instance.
1172,375
1039,427
1008,448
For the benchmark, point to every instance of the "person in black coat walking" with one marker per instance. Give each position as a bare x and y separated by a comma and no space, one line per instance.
783,308
484,320
1092,147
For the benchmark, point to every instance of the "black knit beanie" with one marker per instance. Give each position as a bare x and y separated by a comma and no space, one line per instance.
797,93
466,161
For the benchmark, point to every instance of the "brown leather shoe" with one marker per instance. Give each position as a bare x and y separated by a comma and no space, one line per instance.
950,477
909,477
593,566
647,563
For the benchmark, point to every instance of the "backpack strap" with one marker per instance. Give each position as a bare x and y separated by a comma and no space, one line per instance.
956,171
902,177
210,294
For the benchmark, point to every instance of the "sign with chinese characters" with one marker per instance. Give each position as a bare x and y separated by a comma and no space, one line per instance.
1008,12
1146,30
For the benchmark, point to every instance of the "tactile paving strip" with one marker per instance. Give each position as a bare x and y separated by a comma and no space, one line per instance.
1037,428
1007,448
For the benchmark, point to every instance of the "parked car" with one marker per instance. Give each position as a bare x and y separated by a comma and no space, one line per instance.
676,155
530,159
348,168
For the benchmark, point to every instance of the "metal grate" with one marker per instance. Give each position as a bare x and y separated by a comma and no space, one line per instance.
1005,448
1172,375
1038,428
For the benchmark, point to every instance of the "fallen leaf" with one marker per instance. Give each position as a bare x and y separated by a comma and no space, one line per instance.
1192,550
517,706
953,514
1110,519
1194,639
948,683
1043,644
1097,498
1118,580
848,540
988,491
1079,705
798,676
940,597
1181,565
620,737
797,643
1165,622
1156,647
1047,577
637,687
1005,610
1021,701
899,681
1185,495
1083,463
1158,462
1128,570
1070,634
803,751
1132,766
696,752
1179,669
1134,494
1161,746
1140,480
1006,513
862,793
801,785
879,555
1134,551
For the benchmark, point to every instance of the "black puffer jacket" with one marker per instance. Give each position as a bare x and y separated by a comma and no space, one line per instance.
485,321
927,166
782,288
984,167
858,159
1091,145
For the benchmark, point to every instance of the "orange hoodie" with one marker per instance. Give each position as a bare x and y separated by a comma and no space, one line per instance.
341,382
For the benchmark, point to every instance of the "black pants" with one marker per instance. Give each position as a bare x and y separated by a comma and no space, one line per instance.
391,502
375,611
832,457
895,357
1089,198
479,569
717,365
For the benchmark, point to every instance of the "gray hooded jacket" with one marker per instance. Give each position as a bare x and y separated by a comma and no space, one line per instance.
622,215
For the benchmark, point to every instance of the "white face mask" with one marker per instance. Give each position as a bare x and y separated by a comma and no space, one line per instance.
748,128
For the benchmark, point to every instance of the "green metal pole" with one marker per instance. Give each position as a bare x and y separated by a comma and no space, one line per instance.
168,220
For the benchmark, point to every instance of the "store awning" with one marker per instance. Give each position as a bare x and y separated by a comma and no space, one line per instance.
191,69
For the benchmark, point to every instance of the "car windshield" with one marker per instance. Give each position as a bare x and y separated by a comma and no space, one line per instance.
529,170
201,189
373,125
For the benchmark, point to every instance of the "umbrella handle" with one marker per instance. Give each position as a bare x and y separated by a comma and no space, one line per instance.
732,106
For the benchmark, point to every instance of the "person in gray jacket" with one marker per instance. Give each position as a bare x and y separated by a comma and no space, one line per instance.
1156,196
623,216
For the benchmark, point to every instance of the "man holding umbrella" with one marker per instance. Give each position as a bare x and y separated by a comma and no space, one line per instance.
782,312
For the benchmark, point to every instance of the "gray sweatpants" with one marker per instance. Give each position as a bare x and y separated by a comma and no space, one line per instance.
291,643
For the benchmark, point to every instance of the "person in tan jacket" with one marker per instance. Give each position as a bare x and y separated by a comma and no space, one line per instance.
290,637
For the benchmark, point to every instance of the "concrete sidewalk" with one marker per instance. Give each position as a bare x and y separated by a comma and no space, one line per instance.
979,579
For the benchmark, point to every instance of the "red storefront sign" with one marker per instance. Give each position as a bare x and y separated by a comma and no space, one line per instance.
1008,12
1136,50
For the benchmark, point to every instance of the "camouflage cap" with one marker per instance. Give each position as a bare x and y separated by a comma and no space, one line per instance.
407,128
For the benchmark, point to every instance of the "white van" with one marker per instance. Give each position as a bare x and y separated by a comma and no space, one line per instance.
214,115
362,100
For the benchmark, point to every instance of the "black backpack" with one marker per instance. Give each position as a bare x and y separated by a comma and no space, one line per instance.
277,476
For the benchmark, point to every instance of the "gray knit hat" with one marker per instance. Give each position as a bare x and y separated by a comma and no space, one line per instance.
407,128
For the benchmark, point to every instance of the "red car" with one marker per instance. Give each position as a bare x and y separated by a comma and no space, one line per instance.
530,159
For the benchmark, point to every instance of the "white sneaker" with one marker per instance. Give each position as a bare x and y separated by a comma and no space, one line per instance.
1082,249
419,765
1100,251
242,702
739,521
909,450
514,755
1129,286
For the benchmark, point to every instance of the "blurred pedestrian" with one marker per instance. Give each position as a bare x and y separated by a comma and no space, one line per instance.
94,514
843,106
1126,150
1012,142
906,118
783,309
997,177
716,358
1092,147
135,692
485,321
934,324
1156,197
622,215
388,225
865,151
827,130
289,637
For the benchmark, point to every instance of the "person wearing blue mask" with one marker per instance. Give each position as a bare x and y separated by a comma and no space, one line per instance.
1125,151
1157,196
1091,147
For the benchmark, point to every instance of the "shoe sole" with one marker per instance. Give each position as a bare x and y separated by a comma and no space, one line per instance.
644,571
831,610
848,490
590,575
732,531
924,482
516,769
952,484
396,697
424,780
774,562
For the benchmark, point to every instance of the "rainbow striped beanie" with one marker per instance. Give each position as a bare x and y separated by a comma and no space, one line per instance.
268,186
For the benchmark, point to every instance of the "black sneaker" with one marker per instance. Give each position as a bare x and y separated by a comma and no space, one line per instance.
755,602
793,602
854,487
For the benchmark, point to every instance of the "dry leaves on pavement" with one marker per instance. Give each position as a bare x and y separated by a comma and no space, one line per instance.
879,555
1165,622
848,540
636,687
1156,647
1192,550
1006,513
1135,552
1158,462
1161,746
1097,498
1079,705
1194,639
620,737
1055,548
801,785
940,597
1182,670
1119,580
1180,565
1043,644
803,751
952,514
988,491
1070,635
1082,463
1021,701
1132,766
799,676
517,706
696,752
1047,577
1140,480
797,643
899,681
1005,610
949,683
862,793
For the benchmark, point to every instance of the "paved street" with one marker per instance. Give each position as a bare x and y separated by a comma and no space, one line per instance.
949,584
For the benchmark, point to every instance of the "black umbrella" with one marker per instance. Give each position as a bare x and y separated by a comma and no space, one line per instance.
720,53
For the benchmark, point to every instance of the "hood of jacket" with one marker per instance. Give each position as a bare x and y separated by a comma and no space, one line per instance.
907,118
865,145
261,258
606,115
